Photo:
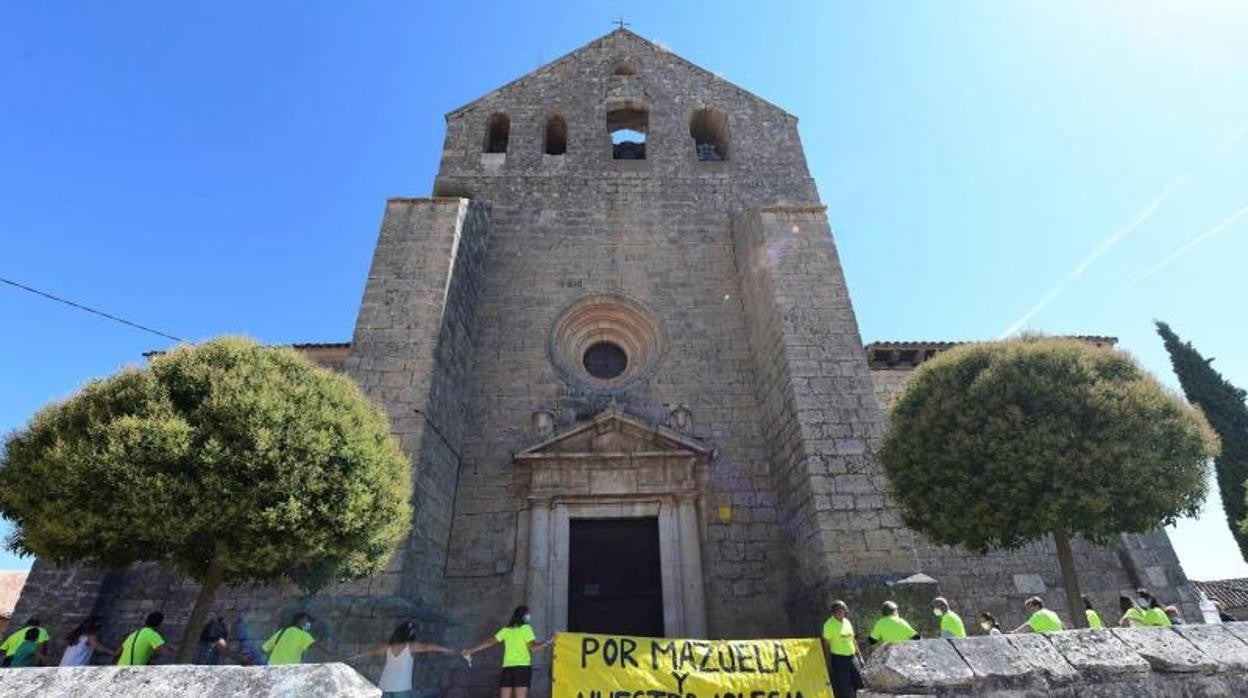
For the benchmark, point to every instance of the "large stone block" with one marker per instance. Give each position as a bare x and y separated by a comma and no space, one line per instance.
998,663
1218,642
1001,664
1239,630
1099,654
1166,650
187,681
929,664
1041,655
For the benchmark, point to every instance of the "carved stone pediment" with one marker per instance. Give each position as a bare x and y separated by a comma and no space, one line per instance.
612,454
614,431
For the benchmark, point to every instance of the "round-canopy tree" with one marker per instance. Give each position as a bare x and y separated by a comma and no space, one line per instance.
995,445
228,461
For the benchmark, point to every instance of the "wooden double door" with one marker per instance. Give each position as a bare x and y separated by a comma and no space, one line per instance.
614,577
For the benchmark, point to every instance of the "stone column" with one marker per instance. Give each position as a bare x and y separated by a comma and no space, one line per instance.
692,593
537,582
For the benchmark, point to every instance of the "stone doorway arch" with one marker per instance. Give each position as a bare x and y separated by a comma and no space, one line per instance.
615,466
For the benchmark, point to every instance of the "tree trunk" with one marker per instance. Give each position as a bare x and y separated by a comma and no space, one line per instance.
1070,578
199,612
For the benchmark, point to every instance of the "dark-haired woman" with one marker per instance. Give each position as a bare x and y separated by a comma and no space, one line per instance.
519,643
1154,613
396,675
1093,618
989,623
1132,614
82,641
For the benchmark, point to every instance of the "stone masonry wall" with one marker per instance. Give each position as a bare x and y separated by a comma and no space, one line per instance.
410,353
59,596
821,417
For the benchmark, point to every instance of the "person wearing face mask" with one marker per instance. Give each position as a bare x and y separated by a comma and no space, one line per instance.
1041,620
1154,613
950,623
989,624
519,643
1132,614
286,646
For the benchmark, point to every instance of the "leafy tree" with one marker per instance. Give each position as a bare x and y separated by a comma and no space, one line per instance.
229,462
1223,405
995,445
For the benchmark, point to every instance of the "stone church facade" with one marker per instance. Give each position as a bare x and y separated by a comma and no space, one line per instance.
619,349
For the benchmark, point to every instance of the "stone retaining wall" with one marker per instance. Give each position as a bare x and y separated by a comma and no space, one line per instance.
1186,660
188,681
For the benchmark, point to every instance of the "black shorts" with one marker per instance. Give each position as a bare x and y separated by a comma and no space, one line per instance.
516,677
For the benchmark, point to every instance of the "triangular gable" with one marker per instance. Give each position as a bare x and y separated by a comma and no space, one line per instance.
635,38
614,431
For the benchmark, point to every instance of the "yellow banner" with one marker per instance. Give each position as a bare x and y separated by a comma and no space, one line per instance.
612,666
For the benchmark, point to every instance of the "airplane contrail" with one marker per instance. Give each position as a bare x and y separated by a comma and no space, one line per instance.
1185,247
1113,239
1121,233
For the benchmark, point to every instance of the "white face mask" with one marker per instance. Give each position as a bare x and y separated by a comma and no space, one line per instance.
528,617
1143,602
307,626
986,626
937,612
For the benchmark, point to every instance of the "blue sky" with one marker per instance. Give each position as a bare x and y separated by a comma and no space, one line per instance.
203,168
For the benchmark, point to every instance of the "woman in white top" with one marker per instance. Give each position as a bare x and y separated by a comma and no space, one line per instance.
83,640
396,676
989,623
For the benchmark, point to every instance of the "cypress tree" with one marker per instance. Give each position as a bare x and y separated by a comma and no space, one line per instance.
1223,405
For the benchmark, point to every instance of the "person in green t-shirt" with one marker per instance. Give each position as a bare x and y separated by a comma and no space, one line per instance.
1094,618
29,651
1156,617
1154,613
519,643
1132,614
286,646
140,645
891,629
1041,620
950,622
15,639
838,637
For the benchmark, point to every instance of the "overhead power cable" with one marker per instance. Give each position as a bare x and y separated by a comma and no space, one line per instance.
93,311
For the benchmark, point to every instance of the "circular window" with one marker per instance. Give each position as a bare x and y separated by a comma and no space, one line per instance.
605,360
606,341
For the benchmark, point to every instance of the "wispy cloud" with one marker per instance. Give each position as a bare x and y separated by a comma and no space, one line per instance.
1187,246
1117,236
